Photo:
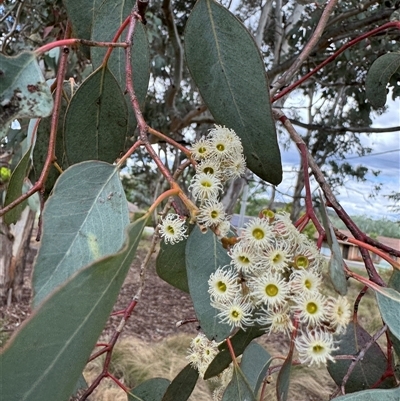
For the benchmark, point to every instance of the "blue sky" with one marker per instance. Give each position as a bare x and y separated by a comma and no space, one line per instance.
385,156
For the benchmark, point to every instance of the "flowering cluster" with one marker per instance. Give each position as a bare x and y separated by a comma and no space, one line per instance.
201,353
219,158
275,276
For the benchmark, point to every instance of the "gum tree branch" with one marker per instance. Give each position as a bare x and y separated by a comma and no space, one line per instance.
178,53
262,23
332,201
308,48
343,130
395,24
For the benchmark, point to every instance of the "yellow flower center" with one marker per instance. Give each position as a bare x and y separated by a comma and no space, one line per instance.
221,286
271,290
171,230
208,170
214,214
277,258
307,284
206,184
318,349
301,262
202,150
339,311
258,233
244,259
235,314
312,308
220,147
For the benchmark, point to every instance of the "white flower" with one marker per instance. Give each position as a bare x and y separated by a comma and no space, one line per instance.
205,186
223,286
338,313
315,347
211,213
172,229
277,257
270,289
311,308
244,259
237,313
304,281
257,233
223,228
283,226
209,167
201,352
201,149
224,143
277,319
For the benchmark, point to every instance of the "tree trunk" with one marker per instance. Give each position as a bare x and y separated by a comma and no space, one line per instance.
15,242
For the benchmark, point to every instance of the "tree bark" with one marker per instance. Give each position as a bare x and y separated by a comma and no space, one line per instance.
14,247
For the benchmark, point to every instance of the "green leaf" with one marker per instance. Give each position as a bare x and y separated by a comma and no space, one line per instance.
171,264
14,189
183,384
283,381
372,395
96,120
81,14
83,220
394,282
40,150
226,65
238,388
23,90
108,18
336,263
59,336
239,343
150,390
379,76
389,305
255,363
204,255
368,370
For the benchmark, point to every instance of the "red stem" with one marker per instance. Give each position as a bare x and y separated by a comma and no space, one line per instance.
395,24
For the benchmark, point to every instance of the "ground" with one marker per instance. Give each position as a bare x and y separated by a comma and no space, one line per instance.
154,318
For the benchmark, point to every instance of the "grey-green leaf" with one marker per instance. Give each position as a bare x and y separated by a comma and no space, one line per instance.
239,342
204,254
226,65
283,381
372,395
389,305
95,125
150,390
368,370
81,14
336,263
83,220
183,384
378,77
238,388
109,17
171,264
255,363
23,90
40,150
14,189
57,339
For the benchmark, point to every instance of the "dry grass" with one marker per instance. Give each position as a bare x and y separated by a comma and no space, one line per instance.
135,361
